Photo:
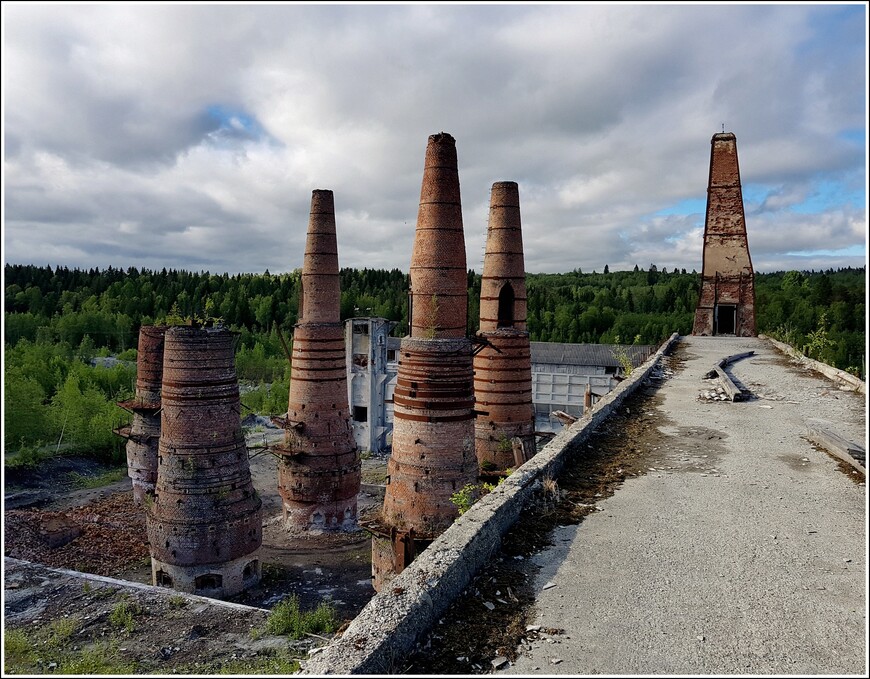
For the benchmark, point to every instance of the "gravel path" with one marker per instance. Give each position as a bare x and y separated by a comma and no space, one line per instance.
742,552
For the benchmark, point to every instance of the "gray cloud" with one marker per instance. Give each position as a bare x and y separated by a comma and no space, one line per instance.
192,135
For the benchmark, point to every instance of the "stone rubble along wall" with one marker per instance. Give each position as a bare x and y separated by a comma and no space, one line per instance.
388,627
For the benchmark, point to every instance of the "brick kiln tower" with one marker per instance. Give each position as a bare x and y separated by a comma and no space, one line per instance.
433,431
319,471
204,523
503,368
143,434
727,302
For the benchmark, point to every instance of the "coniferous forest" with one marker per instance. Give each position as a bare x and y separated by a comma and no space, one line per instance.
57,320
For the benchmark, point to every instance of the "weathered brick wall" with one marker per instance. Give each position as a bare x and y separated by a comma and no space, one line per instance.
144,435
205,509
433,432
727,276
439,284
502,369
319,472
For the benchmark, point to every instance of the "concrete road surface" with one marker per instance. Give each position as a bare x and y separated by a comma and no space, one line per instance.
744,552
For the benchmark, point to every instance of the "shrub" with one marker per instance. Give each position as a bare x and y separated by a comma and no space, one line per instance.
286,618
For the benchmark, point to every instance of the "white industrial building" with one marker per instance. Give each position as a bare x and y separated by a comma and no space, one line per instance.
561,374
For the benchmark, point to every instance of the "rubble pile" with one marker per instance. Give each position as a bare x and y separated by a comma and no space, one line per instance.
104,537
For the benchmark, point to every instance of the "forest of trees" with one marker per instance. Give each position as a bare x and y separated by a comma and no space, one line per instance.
58,319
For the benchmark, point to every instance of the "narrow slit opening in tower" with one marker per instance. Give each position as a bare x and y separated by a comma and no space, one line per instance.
506,306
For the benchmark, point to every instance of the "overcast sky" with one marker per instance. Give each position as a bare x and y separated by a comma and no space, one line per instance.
191,136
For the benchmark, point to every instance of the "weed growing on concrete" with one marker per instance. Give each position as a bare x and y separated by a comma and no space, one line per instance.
286,618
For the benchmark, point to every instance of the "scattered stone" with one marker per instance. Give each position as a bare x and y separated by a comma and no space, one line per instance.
533,628
489,606
700,637
498,662
555,661
549,585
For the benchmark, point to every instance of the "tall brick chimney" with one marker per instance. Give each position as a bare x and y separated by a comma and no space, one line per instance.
433,431
204,521
502,368
726,305
143,435
319,471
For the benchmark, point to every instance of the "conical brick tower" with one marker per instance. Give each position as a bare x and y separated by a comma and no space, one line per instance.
726,305
143,434
204,521
502,368
319,471
433,432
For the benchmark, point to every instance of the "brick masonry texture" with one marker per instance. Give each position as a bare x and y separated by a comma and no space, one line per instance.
433,432
144,435
503,369
727,276
320,470
204,510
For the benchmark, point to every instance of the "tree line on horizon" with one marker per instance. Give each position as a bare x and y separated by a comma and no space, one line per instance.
58,319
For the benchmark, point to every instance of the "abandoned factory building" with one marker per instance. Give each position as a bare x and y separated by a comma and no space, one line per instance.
561,374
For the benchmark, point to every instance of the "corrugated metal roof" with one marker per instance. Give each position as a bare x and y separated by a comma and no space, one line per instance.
588,354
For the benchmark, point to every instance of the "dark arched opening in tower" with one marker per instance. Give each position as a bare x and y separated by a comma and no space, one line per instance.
506,306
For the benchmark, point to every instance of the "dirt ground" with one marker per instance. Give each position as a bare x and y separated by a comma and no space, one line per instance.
51,521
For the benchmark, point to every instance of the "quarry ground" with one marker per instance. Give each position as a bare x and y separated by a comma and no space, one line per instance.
51,520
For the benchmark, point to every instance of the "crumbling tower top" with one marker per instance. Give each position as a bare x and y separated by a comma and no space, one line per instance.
439,282
321,296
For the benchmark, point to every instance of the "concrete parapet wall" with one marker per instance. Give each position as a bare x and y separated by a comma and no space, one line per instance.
391,623
839,376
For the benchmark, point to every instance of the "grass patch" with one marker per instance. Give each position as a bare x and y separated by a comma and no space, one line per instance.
101,658
123,613
19,653
60,631
286,618
177,601
25,652
266,663
98,481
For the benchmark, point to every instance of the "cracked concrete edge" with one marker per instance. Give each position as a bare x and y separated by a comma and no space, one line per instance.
10,565
832,373
385,631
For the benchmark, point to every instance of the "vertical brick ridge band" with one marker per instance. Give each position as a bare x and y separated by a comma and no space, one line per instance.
727,301
503,369
144,435
320,470
439,279
205,518
433,430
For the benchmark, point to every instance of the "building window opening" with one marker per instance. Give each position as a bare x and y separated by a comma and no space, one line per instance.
163,579
250,570
506,306
360,414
